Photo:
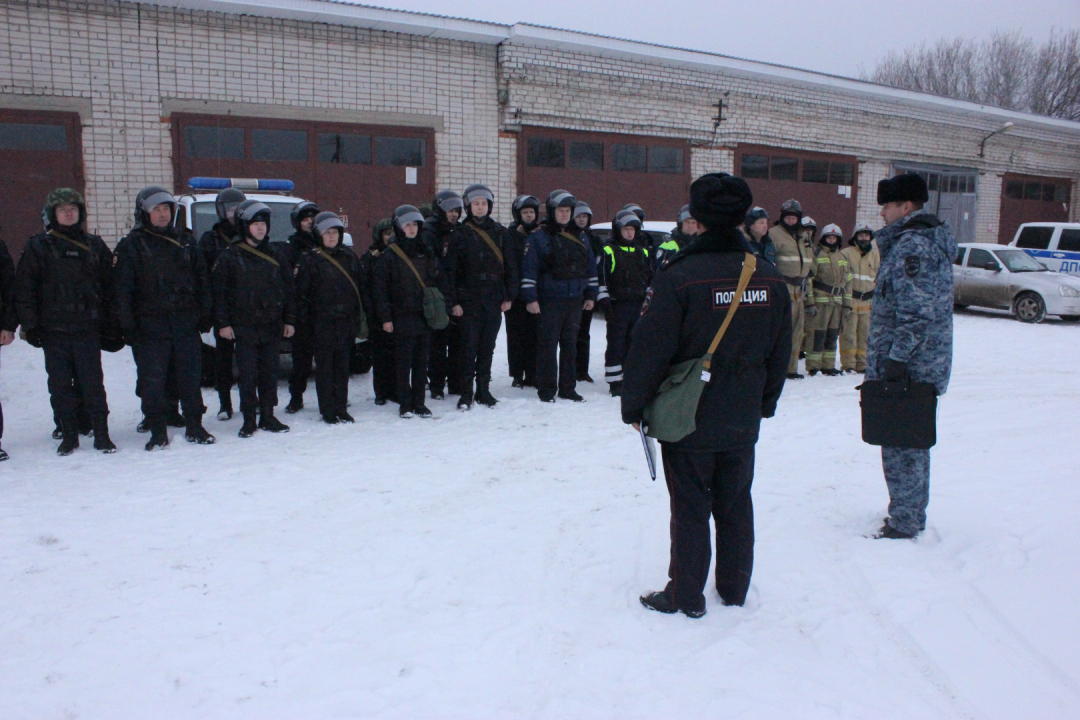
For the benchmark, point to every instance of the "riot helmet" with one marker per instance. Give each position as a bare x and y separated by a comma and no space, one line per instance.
625,218
226,202
251,211
406,214
303,210
148,199
59,197
525,201
478,192
328,221
444,202
558,199
636,209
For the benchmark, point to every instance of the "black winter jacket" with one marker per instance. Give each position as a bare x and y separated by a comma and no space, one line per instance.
322,291
65,285
161,282
368,261
9,319
250,291
214,241
399,299
475,271
300,244
685,307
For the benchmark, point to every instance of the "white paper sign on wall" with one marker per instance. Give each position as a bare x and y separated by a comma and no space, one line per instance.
410,176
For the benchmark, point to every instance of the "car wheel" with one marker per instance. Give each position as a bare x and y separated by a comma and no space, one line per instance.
957,307
1029,307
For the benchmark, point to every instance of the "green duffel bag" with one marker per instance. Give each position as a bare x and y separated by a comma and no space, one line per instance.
671,415
435,308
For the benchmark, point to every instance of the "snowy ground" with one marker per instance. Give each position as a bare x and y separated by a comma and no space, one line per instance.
488,564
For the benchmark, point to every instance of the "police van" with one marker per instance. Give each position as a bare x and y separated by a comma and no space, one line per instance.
196,212
1056,245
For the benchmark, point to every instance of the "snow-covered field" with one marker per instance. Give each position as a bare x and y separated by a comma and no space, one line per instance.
488,564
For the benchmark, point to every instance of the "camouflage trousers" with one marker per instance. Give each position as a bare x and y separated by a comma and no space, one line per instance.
854,333
907,474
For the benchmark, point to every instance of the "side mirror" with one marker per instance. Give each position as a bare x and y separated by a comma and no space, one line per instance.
992,266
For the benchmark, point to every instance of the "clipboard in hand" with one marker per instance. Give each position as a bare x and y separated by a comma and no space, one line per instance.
650,450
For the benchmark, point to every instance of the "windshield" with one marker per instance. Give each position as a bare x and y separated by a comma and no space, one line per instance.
203,217
1019,261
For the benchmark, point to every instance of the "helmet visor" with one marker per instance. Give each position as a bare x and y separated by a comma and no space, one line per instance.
448,204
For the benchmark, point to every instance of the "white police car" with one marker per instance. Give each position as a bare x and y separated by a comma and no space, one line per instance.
1056,245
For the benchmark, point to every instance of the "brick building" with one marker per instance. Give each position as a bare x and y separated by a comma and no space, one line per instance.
366,108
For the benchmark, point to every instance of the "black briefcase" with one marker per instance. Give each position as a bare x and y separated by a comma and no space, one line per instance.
899,414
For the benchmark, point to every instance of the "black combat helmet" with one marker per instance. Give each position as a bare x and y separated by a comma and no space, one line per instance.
303,210
625,218
148,199
251,211
558,199
478,192
525,201
444,202
226,203
636,209
791,207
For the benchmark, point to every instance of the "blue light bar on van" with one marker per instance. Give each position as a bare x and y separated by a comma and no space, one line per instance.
211,183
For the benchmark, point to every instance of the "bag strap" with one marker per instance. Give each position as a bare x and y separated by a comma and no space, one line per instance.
491,243
748,268
401,254
568,236
244,246
163,237
73,241
335,263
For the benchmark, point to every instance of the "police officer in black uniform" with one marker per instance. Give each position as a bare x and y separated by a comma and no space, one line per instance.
484,282
9,321
254,305
303,240
164,301
583,217
328,299
211,244
444,364
521,324
64,299
625,274
709,472
383,375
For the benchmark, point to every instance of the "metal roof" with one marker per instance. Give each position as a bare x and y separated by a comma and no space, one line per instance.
345,12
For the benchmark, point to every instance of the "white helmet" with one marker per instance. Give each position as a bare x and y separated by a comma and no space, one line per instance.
832,229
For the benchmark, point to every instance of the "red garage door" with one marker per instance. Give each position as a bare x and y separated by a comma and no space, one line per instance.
39,152
606,170
825,185
1026,198
360,171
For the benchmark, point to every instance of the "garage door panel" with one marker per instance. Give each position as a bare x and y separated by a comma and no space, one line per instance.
1030,198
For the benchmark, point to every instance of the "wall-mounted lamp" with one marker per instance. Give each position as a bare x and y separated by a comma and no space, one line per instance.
982,145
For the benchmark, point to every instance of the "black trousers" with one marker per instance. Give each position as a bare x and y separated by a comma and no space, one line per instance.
445,361
175,361
584,342
383,365
521,342
479,330
556,345
334,340
411,353
702,484
303,352
70,359
257,351
620,323
223,361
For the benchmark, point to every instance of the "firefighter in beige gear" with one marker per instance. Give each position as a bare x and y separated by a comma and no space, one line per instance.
809,227
863,262
832,296
795,261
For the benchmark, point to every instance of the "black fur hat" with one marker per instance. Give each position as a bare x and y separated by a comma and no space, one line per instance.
719,200
903,188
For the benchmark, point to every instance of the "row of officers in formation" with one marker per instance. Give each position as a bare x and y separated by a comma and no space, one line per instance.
430,294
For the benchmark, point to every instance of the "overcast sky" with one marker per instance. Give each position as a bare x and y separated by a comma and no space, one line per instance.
835,37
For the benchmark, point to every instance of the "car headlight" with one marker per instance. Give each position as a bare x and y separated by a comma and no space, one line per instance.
1066,291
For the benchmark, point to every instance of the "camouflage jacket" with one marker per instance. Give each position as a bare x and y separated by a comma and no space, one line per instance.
911,317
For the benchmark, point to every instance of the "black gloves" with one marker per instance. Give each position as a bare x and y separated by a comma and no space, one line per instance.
895,371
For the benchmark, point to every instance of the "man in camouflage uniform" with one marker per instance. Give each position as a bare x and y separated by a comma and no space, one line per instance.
863,261
795,261
911,330
832,297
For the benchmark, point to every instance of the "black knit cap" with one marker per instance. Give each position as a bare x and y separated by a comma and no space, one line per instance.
909,187
719,200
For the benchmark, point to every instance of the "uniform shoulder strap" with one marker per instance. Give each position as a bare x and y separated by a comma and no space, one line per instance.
335,263
748,268
568,236
73,241
487,238
258,253
401,254
175,242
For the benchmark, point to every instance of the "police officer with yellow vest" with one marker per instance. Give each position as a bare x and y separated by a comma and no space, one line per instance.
832,297
625,275
795,261
863,262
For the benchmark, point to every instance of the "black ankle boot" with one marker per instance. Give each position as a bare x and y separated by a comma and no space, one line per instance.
102,441
249,427
159,435
483,393
196,433
70,432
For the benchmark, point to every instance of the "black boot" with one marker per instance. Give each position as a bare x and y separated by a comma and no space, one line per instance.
345,418
70,432
102,441
85,424
296,404
58,431
249,427
571,395
196,433
483,393
794,376
661,602
327,417
270,423
226,411
159,435
173,418
465,402
811,373
143,426
3,455
518,382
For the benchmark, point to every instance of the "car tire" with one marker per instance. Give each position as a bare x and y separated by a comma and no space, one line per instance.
1029,307
957,307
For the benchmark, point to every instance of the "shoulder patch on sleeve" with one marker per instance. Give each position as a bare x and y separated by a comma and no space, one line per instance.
912,264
